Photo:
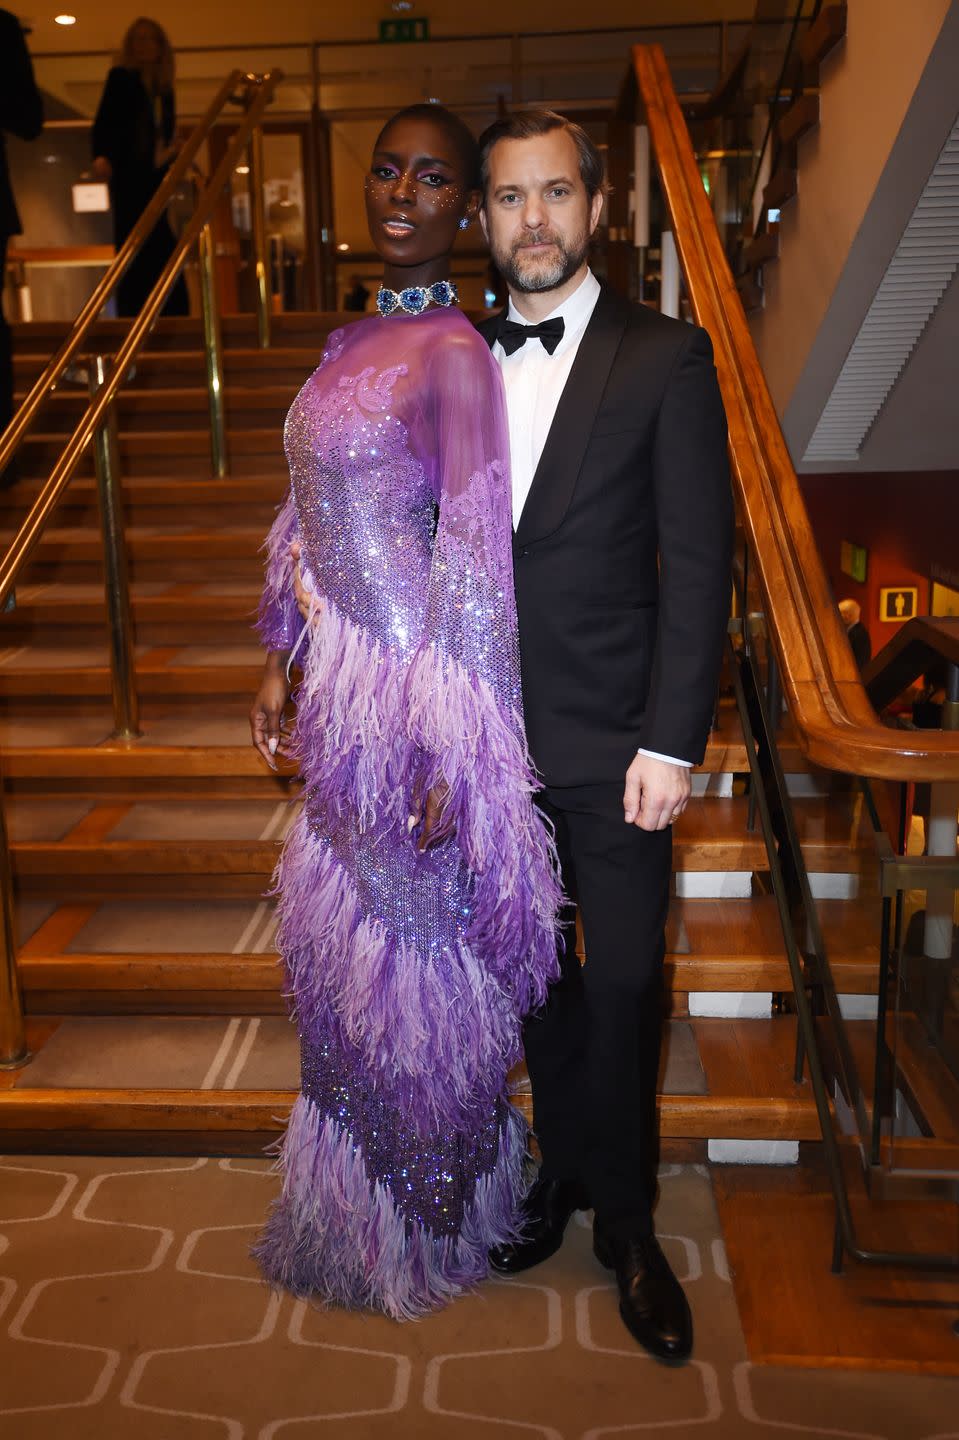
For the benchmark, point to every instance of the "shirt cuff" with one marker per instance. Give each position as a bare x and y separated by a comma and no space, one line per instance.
670,759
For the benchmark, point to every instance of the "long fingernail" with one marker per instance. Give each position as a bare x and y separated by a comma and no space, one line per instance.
272,744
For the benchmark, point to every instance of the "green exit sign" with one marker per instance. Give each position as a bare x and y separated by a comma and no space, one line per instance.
403,31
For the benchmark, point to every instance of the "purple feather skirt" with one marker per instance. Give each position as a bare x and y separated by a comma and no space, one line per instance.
408,973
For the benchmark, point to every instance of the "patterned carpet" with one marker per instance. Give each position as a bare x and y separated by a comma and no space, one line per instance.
129,1308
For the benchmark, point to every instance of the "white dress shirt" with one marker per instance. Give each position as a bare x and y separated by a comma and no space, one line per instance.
534,381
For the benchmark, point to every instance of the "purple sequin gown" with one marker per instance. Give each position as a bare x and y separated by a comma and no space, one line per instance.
409,973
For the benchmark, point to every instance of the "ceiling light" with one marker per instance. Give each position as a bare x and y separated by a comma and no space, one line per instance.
64,19
242,170
343,246
400,7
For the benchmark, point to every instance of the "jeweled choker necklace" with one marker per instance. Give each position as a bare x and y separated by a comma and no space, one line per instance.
415,298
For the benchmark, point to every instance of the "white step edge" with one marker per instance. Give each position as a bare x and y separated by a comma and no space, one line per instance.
753,1152
731,1004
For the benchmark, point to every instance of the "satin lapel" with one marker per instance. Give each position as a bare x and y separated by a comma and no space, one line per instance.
562,457
487,328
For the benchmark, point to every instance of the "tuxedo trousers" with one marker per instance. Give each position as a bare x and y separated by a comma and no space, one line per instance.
593,1050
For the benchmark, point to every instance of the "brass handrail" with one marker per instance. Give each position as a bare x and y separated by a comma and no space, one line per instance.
98,424
835,724
29,533
79,331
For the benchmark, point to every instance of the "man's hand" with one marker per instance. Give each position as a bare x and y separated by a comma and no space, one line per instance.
305,599
266,717
656,793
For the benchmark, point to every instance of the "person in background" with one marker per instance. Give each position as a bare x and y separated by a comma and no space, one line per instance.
856,632
21,114
134,143
357,295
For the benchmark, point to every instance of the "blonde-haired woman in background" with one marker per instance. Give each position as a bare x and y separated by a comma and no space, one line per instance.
134,142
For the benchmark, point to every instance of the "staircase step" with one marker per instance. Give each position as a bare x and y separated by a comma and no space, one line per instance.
155,501
154,681
218,1120
242,1122
709,837
49,616
286,364
781,188
75,555
153,452
228,984
823,35
299,329
176,408
799,119
764,248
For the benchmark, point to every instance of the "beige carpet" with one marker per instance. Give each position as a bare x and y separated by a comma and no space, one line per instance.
129,1310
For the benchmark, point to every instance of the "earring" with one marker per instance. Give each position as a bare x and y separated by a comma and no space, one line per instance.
464,222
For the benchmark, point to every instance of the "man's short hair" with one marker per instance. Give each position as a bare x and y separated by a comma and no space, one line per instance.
851,612
527,125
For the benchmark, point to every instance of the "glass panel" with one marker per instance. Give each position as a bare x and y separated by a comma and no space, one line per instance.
75,82
382,78
43,174
557,69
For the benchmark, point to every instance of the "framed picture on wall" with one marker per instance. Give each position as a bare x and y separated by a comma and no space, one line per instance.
898,603
852,560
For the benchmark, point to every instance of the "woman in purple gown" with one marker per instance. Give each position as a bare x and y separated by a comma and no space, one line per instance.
417,890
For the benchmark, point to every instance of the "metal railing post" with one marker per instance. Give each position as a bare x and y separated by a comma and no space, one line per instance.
126,709
941,837
260,259
213,346
13,1035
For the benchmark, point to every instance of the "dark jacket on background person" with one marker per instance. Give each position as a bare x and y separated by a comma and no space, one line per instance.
128,128
21,114
21,110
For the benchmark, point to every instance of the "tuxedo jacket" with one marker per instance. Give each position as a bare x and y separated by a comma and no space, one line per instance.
622,554
21,110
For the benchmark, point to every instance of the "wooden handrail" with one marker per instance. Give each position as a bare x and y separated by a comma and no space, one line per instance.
75,446
835,723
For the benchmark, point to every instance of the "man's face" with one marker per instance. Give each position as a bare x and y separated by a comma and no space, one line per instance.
537,215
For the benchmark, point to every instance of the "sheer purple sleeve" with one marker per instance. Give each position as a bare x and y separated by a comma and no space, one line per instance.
464,698
278,621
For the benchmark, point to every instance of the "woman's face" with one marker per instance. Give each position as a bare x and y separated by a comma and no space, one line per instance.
416,195
145,44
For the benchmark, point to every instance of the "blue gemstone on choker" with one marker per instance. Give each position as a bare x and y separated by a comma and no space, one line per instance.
415,298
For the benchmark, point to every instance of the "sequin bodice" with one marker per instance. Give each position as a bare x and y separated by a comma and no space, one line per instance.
364,498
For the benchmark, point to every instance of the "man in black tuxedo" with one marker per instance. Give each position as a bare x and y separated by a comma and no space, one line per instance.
21,113
623,537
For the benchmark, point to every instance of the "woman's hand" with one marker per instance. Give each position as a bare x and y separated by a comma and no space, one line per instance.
431,815
305,599
266,716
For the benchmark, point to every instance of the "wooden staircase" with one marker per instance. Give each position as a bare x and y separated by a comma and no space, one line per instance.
141,869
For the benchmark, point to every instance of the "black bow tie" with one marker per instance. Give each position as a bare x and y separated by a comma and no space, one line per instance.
511,336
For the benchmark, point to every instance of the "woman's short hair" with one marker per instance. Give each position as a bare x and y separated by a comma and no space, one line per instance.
527,125
453,127
165,67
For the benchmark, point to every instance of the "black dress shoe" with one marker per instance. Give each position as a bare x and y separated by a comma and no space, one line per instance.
651,1301
547,1210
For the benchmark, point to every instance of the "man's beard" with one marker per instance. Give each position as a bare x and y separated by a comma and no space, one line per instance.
542,272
